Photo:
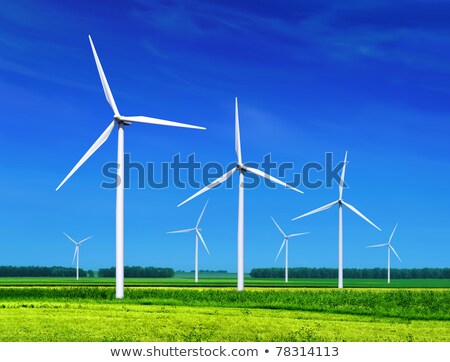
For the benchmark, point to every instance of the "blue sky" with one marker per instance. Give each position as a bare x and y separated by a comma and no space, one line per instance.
311,77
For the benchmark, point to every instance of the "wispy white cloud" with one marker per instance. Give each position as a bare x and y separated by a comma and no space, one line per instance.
36,41
401,33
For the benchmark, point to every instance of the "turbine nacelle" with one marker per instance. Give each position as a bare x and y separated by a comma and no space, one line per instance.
119,119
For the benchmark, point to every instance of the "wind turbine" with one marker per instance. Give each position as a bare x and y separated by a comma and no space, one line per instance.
197,235
341,203
77,250
389,248
121,122
241,168
285,242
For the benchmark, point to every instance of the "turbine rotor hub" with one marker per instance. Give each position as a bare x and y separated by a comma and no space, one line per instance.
119,119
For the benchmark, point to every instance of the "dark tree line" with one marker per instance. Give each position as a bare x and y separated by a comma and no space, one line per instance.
375,273
41,271
138,272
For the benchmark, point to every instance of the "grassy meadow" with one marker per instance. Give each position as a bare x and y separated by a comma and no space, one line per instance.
229,280
61,309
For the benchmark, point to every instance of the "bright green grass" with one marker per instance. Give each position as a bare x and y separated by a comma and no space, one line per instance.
221,314
229,280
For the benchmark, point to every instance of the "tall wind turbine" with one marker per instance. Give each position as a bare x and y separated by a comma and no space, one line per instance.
389,248
77,250
197,235
341,203
241,168
121,122
286,242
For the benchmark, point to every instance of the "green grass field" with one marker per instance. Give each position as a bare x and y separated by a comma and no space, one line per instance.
53,309
229,280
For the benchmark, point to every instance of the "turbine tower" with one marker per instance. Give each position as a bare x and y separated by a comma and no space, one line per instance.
242,169
285,243
389,248
121,122
197,235
77,250
340,202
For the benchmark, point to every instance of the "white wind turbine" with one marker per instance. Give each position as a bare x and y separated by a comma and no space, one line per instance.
286,243
389,248
341,203
241,168
197,235
77,250
120,121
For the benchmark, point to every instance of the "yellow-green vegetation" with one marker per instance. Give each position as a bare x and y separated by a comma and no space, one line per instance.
221,314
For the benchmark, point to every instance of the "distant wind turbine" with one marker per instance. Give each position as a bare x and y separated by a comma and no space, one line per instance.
120,121
77,250
286,243
197,235
241,168
389,248
340,202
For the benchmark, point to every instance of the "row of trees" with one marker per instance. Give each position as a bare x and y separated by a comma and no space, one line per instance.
41,271
152,272
138,272
375,273
59,271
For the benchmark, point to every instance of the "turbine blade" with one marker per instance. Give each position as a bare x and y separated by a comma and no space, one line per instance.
376,246
157,121
237,134
278,226
293,235
341,184
327,206
180,231
103,137
271,178
216,182
75,254
82,241
201,215
203,241
392,248
106,89
389,242
282,245
360,214
73,241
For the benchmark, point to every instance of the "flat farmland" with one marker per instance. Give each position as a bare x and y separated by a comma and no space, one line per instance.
219,313
228,280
